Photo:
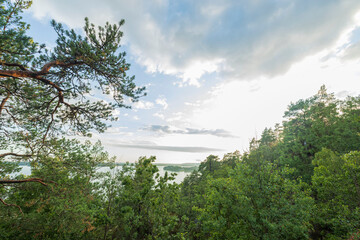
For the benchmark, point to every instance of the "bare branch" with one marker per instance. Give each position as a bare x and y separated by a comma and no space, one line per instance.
28,74
52,120
22,67
12,116
14,154
46,68
48,82
11,181
2,105
13,65
11,205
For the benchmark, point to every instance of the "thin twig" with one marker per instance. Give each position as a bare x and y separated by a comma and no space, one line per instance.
12,205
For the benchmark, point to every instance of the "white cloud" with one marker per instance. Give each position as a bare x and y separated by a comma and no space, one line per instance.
115,130
116,112
143,105
214,10
163,129
238,39
162,101
352,51
176,117
288,49
246,108
193,104
198,68
159,115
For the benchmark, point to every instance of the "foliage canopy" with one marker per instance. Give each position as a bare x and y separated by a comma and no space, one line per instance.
300,180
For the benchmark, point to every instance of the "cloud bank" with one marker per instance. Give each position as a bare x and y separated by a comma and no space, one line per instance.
167,148
189,131
239,40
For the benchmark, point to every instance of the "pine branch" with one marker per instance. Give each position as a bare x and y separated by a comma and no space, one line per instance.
15,154
11,205
12,181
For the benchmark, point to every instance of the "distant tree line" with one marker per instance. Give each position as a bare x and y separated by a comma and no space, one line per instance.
175,168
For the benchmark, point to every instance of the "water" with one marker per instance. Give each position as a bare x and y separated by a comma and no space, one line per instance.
26,170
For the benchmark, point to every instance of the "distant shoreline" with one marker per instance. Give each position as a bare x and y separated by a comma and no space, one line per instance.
187,167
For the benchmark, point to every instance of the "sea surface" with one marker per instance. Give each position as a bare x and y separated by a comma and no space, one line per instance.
26,170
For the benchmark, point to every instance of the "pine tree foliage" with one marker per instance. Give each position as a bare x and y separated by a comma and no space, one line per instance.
45,93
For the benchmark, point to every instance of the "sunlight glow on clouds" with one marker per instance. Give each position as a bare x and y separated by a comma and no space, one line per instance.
246,113
232,68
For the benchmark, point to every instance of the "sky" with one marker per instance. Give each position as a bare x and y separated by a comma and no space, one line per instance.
216,72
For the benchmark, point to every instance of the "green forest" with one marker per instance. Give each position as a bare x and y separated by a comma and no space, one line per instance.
299,180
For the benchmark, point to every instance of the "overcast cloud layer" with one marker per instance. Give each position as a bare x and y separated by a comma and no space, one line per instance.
240,40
